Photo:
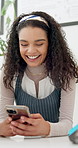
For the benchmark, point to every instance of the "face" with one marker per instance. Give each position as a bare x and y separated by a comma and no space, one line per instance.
33,43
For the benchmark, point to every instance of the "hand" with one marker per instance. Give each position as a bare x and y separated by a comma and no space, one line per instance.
36,126
5,129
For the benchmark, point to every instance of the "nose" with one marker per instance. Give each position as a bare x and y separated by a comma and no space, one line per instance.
31,49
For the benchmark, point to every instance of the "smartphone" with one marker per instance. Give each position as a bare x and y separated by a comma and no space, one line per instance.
16,111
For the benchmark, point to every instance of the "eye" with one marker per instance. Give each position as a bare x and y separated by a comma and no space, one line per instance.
39,44
24,45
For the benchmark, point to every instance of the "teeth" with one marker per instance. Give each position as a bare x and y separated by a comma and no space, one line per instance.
32,57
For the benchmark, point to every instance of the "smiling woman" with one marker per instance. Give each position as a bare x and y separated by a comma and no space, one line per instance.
1,17
33,45
38,72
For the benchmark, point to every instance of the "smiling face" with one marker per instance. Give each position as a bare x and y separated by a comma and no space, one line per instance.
33,43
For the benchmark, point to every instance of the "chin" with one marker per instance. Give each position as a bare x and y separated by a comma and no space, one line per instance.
34,65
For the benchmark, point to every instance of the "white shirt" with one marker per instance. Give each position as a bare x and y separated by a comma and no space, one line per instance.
45,88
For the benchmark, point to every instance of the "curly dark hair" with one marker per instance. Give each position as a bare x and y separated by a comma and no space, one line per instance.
59,61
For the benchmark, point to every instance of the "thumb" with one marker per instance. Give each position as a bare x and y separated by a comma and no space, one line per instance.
8,119
36,116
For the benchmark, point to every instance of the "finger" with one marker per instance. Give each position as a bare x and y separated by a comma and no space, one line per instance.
22,132
32,116
25,127
8,120
18,125
37,115
19,120
18,131
31,121
27,120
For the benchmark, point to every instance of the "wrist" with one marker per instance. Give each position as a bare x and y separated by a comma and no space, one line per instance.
1,129
48,128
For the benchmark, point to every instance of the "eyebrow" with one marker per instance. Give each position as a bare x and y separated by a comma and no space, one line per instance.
35,40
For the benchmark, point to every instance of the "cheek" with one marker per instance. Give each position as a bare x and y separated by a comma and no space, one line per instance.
44,56
45,52
21,51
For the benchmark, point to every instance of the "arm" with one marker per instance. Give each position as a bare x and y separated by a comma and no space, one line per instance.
66,112
6,97
38,126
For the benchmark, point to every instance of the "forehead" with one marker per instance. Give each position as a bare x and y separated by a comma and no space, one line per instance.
35,32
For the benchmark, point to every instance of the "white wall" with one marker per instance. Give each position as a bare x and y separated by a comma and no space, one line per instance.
61,10
72,39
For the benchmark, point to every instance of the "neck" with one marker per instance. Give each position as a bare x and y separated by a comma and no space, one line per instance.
36,71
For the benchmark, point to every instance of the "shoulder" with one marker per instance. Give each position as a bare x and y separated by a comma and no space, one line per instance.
71,90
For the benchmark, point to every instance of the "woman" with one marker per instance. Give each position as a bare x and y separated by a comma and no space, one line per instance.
39,72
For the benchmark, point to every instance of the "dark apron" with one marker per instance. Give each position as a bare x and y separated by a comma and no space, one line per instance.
48,107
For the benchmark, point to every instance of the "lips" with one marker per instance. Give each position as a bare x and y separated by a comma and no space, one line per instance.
33,57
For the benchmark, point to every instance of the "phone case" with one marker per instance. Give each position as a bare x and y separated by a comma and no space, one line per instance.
17,111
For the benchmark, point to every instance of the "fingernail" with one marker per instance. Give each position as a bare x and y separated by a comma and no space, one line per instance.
22,118
9,119
13,123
